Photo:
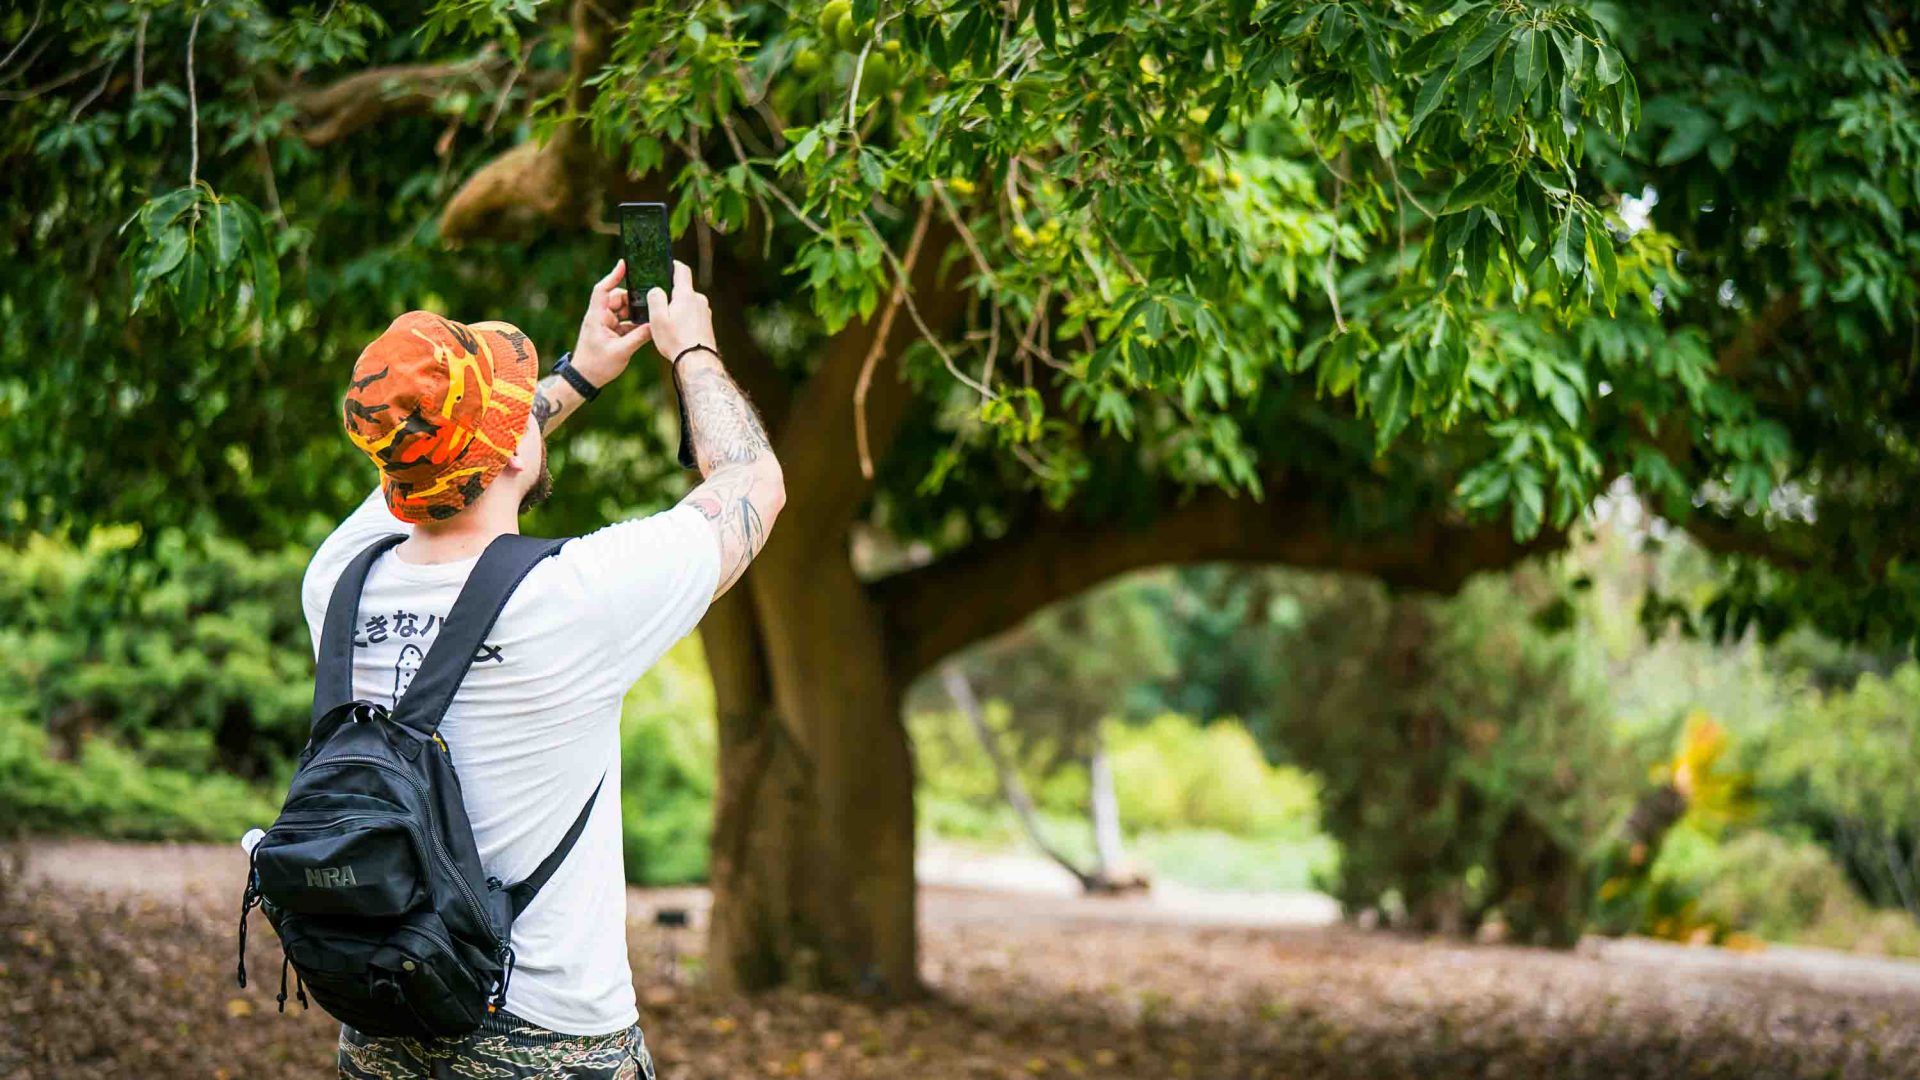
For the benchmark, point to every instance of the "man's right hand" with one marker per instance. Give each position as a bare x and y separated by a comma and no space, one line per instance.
683,321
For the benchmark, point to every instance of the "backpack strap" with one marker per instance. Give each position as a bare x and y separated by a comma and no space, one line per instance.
522,894
500,570
333,673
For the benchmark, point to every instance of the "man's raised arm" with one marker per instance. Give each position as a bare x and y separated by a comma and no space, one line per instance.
744,489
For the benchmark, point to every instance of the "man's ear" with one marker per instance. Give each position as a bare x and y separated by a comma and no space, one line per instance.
526,452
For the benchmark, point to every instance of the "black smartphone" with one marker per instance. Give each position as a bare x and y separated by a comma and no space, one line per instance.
649,253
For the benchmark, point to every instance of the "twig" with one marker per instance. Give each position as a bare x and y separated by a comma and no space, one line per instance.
54,83
966,234
879,345
776,124
266,167
740,155
926,331
38,11
99,89
1126,263
500,102
794,209
703,239
993,346
1025,348
140,55
1333,250
853,91
859,67
193,102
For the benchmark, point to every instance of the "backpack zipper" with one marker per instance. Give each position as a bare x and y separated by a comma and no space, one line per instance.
432,837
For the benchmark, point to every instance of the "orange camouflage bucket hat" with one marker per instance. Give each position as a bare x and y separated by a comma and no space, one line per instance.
439,406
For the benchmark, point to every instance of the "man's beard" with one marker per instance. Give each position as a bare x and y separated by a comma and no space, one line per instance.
542,485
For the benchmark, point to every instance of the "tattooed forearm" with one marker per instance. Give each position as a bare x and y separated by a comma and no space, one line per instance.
553,401
744,489
726,430
729,502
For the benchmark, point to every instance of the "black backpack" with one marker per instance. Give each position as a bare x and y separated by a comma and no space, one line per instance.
370,875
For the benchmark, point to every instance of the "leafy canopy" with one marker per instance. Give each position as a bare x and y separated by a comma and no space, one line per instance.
1433,258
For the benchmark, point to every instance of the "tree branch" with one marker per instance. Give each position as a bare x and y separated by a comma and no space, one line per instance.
545,185
1757,335
333,112
818,448
1783,546
935,610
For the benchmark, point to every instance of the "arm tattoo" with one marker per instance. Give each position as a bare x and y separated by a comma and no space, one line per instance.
544,407
740,494
726,430
727,501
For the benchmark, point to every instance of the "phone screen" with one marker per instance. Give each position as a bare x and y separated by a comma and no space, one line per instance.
649,253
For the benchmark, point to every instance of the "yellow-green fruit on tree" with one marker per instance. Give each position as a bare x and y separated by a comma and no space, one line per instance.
830,16
877,76
806,62
845,32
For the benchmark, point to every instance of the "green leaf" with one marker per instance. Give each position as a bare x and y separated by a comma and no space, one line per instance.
1692,129
1610,66
1506,82
1482,46
265,266
1533,211
166,209
1439,43
1428,99
1486,182
224,219
1569,247
871,170
1533,66
1390,406
191,285
1528,508
1043,23
804,150
1572,51
165,254
1335,25
1484,486
1604,261
1478,252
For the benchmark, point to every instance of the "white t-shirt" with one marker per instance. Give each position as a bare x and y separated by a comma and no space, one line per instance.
536,724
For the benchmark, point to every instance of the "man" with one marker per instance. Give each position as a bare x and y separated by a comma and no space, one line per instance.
454,420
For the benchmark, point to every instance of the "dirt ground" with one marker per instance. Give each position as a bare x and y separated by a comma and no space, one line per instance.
119,962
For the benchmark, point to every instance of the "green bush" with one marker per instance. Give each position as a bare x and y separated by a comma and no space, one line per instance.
1174,773
667,761
1169,773
197,658
108,790
1777,888
1464,751
1847,764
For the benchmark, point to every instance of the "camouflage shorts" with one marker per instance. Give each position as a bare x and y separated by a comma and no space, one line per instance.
505,1048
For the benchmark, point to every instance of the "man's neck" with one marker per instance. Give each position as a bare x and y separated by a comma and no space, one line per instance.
462,536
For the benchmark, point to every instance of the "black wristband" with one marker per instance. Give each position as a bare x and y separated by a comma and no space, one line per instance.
564,368
694,348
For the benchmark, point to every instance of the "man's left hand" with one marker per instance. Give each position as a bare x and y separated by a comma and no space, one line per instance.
608,339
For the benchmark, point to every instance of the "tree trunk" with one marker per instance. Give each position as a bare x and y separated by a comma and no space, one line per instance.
1104,806
1012,788
813,833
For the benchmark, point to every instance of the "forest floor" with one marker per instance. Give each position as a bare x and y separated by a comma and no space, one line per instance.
117,960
